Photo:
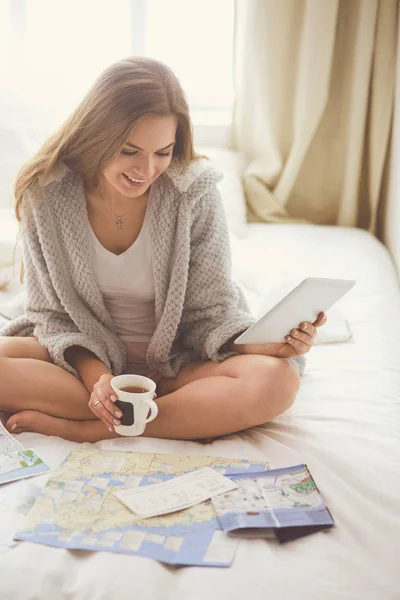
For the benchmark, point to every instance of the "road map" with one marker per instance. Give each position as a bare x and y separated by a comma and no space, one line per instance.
78,510
274,499
17,462
16,501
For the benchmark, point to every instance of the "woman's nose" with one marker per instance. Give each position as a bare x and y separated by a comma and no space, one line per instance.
143,167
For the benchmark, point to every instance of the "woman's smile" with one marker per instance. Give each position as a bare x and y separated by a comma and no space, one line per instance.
134,182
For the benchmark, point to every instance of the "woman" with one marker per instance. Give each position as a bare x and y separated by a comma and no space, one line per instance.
127,268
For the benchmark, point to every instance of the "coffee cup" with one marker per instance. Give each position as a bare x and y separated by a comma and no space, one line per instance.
135,395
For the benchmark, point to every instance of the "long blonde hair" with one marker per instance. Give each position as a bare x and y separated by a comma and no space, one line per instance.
95,132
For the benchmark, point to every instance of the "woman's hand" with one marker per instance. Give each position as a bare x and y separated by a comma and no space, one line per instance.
298,341
102,400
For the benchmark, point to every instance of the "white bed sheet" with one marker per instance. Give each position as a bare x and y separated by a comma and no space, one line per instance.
345,424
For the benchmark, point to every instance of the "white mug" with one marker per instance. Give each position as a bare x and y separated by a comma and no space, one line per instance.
134,406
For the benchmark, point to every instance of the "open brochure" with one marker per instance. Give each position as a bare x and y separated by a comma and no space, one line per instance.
282,503
17,462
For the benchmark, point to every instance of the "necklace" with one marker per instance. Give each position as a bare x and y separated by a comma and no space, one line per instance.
119,217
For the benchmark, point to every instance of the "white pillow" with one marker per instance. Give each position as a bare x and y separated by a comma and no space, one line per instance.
232,164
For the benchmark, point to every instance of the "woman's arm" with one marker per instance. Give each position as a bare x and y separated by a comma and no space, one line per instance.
214,310
96,379
214,314
87,365
52,325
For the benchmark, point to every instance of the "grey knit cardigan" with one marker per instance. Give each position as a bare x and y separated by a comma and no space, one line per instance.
197,306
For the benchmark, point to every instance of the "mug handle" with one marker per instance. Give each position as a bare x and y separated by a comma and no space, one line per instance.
153,410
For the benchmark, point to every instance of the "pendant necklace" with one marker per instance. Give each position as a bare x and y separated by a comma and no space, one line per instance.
119,217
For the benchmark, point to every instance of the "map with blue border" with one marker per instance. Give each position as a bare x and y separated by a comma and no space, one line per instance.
77,508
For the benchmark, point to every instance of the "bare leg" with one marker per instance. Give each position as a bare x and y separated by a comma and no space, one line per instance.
205,400
29,380
42,386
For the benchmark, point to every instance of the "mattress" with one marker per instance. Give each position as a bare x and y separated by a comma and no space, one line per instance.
344,424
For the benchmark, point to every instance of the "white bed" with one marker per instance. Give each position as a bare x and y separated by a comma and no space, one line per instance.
345,424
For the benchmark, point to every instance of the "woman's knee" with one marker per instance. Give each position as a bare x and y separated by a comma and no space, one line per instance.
7,347
288,380
275,384
18,347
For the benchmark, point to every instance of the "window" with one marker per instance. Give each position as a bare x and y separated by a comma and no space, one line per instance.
196,40
52,51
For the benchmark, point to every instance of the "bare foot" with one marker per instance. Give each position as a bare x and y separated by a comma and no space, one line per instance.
75,431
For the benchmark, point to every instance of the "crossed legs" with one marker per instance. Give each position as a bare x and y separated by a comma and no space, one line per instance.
205,400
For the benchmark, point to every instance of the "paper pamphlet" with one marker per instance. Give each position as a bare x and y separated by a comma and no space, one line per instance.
7,442
176,494
17,462
279,499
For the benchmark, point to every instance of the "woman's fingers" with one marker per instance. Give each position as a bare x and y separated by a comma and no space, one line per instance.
104,409
95,406
101,412
114,412
104,415
298,345
307,328
296,335
111,418
302,339
321,320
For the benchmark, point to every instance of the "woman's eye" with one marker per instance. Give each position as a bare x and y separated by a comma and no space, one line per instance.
126,153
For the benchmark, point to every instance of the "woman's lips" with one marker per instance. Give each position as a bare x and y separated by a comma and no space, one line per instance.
140,179
133,183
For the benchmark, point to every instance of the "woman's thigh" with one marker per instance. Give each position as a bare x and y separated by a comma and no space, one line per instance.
235,366
23,347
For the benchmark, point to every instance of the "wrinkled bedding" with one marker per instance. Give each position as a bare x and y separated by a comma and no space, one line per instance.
345,424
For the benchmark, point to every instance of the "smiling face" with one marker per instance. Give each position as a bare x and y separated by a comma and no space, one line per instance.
147,153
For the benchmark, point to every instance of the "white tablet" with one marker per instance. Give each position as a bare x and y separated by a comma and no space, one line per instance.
303,303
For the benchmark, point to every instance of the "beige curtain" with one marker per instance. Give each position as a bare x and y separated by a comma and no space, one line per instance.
315,89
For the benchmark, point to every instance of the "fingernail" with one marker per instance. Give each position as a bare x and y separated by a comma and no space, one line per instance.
294,332
304,325
118,413
288,338
113,399
116,422
14,426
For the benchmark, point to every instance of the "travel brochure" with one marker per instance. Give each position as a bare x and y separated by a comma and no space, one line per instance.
90,504
17,462
281,503
181,510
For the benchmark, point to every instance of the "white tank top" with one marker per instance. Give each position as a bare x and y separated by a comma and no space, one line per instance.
127,285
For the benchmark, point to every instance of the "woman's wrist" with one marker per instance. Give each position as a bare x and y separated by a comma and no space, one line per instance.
265,349
230,345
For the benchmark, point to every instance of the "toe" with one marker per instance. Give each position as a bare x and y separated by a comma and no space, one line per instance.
19,421
12,424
